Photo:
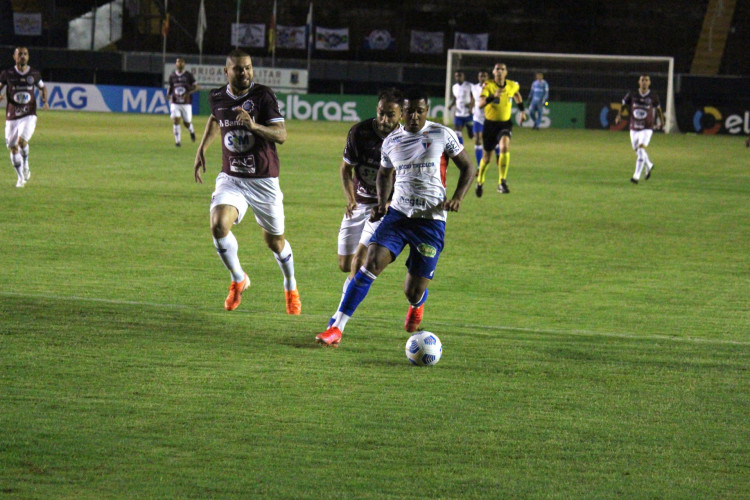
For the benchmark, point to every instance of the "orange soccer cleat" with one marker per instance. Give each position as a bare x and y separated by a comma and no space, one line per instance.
235,293
330,337
293,304
413,318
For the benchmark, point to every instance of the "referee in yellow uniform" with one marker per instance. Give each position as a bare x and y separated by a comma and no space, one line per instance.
497,101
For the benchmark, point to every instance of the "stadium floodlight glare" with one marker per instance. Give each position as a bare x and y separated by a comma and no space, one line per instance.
572,77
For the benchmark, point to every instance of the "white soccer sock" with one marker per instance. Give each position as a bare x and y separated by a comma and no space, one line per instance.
17,162
176,130
286,264
639,163
25,156
340,320
343,292
191,129
227,248
646,158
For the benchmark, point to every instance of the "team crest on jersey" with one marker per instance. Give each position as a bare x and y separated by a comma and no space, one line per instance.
30,79
248,106
426,142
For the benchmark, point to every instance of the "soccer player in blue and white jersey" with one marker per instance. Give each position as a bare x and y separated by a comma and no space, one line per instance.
478,118
463,100
414,165
538,96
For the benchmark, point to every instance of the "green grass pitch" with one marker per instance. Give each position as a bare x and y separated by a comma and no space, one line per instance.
596,334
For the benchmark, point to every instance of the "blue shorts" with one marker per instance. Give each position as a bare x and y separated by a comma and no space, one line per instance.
462,121
478,127
425,238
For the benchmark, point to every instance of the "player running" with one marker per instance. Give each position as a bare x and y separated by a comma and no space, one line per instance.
497,100
20,114
463,101
416,156
478,118
182,86
359,169
246,116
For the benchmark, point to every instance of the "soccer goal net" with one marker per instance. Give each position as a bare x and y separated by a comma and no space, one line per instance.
588,78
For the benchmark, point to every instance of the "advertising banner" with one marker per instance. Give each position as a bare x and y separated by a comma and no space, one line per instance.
107,98
212,76
714,119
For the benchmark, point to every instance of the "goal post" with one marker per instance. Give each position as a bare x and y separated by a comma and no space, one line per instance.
572,77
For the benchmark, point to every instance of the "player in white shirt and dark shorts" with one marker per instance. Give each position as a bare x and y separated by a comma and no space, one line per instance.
478,114
463,101
19,83
414,165
359,169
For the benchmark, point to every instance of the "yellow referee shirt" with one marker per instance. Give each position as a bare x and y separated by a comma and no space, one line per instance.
499,112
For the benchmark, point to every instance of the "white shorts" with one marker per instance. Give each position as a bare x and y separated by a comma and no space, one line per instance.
20,127
263,195
184,111
356,230
640,138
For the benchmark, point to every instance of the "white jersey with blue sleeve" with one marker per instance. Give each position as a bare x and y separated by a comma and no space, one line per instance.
462,93
421,163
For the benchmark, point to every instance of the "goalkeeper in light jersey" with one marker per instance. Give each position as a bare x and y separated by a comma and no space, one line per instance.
497,101
538,96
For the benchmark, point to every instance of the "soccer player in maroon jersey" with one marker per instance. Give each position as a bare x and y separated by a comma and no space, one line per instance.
246,116
20,114
359,169
644,107
182,86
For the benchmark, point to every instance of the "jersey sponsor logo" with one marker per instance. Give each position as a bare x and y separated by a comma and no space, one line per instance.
242,165
640,114
239,141
427,250
22,97
413,202
180,91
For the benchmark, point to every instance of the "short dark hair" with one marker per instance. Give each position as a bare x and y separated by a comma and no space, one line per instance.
237,54
415,94
393,95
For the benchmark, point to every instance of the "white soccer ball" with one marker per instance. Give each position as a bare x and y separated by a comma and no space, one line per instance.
424,349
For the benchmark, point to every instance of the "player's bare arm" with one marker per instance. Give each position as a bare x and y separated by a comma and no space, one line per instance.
347,181
662,122
209,134
618,118
519,100
45,103
275,132
466,166
384,184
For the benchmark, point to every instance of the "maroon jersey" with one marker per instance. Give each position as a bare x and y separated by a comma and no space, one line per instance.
245,154
19,88
362,152
180,86
642,109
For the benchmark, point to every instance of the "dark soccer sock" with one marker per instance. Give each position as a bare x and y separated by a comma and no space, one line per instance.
356,291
